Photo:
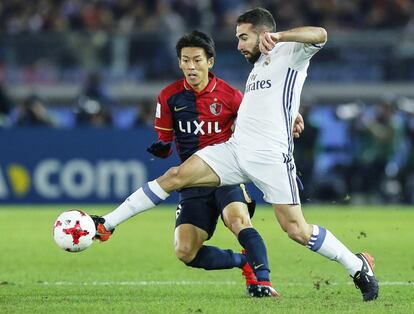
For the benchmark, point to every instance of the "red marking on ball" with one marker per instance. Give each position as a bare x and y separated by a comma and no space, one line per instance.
76,232
57,224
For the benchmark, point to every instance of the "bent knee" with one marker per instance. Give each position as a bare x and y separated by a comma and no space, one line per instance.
185,253
173,178
237,225
173,173
236,219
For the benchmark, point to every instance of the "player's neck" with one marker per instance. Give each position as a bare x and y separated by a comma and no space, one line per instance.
201,86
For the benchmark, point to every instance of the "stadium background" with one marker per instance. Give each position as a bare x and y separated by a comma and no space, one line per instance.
79,81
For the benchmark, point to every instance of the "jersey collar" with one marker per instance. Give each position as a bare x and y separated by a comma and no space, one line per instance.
208,89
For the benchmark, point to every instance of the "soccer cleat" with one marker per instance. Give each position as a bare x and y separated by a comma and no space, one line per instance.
248,273
262,289
364,279
102,234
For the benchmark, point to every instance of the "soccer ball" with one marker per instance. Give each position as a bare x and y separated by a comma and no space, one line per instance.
74,230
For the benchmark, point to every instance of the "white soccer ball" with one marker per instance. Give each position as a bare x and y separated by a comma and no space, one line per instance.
74,230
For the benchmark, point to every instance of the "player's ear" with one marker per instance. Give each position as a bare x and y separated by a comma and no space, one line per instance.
210,62
179,62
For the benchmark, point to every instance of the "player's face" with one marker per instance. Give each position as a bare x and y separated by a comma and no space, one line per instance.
248,42
195,66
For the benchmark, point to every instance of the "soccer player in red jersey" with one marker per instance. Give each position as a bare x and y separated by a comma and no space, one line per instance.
197,111
194,112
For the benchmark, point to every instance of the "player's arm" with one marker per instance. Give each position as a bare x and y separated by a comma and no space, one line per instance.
306,34
162,148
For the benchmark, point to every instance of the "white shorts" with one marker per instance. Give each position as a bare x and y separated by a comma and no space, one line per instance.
276,179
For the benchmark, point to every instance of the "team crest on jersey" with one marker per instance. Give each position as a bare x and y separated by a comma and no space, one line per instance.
267,61
215,108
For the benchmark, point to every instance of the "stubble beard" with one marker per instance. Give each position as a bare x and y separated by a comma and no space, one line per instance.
255,54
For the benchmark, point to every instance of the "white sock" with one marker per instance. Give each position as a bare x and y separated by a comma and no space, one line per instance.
326,244
146,197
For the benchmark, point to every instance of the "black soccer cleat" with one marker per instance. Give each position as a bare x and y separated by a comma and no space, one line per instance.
262,289
102,234
365,279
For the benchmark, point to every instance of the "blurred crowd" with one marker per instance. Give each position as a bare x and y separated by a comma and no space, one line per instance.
53,41
92,107
358,152
354,152
137,15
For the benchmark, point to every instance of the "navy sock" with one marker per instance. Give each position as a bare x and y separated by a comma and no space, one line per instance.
211,258
256,253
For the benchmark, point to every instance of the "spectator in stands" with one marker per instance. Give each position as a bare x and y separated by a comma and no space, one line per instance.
91,113
146,114
380,132
5,107
333,154
95,89
32,112
93,107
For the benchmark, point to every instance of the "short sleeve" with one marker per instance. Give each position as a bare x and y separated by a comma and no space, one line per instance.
237,99
298,54
163,120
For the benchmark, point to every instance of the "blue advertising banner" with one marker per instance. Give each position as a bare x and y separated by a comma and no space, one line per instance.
43,165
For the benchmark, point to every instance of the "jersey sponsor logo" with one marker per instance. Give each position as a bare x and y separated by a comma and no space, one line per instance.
199,127
177,109
256,85
253,84
215,108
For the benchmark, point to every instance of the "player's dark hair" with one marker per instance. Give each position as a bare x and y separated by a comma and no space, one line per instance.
196,39
258,17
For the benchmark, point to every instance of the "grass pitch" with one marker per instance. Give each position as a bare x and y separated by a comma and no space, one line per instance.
137,272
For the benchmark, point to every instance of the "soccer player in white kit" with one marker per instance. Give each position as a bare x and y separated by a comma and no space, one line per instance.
261,148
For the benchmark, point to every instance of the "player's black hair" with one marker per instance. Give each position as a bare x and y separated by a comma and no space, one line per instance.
199,40
258,17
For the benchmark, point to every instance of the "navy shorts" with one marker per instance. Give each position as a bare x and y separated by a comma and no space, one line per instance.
201,207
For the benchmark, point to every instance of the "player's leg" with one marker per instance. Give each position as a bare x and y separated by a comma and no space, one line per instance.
237,210
189,248
279,186
194,171
195,223
236,217
210,166
322,241
317,238
188,239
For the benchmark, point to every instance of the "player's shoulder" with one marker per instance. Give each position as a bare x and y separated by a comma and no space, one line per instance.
172,89
280,47
225,86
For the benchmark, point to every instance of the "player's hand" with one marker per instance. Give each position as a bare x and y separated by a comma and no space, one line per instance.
160,149
267,41
298,126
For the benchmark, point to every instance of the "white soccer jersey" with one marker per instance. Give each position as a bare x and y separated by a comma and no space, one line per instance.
271,101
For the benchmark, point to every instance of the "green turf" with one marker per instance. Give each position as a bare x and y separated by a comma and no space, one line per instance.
136,271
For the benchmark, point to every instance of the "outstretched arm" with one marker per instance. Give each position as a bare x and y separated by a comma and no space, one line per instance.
306,35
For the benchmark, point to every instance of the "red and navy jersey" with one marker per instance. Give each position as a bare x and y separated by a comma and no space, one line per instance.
196,119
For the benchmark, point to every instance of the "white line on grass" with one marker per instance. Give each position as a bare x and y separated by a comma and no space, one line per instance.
194,283
139,283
